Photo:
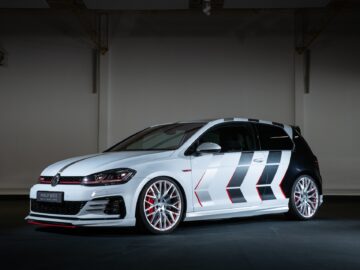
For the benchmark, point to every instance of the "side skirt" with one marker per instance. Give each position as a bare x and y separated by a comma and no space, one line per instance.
237,212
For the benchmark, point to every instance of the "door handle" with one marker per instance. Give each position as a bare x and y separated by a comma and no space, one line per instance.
258,160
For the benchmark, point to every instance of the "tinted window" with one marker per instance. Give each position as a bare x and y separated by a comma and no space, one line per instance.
274,138
164,137
231,137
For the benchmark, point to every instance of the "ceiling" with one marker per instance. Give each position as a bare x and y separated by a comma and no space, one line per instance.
23,4
163,4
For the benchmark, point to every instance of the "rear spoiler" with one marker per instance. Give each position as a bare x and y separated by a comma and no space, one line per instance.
297,128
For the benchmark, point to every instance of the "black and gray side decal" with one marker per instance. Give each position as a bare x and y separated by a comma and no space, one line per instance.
264,184
233,188
266,193
268,174
274,157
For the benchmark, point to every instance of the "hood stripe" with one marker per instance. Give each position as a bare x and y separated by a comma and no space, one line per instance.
76,161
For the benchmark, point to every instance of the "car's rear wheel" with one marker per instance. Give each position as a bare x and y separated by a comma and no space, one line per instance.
305,199
160,206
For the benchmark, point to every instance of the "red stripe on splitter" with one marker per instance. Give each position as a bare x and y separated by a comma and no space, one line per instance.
197,187
51,225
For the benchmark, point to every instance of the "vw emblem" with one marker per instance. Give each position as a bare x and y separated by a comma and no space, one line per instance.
55,180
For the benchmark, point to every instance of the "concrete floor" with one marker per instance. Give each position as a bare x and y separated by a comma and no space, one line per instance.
331,241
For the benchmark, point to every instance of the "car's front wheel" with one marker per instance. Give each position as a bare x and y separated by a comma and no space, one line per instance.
160,206
305,199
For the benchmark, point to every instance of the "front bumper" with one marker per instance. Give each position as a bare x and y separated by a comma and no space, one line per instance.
83,206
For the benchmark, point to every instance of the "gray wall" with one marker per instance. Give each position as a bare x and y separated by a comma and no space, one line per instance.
173,69
47,110
169,67
332,108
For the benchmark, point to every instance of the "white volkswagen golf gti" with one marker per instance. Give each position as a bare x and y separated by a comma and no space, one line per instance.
183,171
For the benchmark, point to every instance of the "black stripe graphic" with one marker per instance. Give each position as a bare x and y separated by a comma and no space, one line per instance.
268,174
238,177
76,161
236,195
246,158
274,157
266,193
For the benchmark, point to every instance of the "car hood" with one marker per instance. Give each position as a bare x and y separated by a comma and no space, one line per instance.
86,165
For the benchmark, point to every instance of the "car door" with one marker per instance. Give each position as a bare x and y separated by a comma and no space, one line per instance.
227,179
277,146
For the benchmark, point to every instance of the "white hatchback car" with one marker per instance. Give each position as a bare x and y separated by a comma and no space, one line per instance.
168,173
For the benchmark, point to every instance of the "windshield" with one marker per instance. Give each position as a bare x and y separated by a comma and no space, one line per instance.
163,137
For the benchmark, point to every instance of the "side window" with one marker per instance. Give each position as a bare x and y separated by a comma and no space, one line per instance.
231,137
274,138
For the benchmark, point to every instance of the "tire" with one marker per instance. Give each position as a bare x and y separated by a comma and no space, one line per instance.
160,206
305,198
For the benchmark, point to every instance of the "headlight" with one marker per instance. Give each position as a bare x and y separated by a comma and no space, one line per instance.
111,177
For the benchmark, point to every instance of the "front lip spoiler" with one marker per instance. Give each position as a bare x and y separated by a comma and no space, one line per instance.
51,224
81,222
72,218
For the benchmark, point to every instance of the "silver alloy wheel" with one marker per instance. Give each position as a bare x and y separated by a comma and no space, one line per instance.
306,197
162,205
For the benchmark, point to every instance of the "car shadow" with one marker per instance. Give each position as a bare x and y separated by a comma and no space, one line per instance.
195,226
184,228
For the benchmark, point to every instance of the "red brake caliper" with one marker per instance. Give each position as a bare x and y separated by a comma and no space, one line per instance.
150,202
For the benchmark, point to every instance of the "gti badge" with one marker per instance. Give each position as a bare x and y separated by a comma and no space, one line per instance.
55,180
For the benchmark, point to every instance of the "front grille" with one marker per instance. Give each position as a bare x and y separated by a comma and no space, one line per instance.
64,208
64,180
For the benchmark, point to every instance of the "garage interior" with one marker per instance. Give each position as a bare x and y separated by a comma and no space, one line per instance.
77,76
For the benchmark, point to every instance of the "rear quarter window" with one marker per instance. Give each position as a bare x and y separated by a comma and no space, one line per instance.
274,138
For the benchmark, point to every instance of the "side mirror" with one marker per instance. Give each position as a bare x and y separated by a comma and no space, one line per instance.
208,147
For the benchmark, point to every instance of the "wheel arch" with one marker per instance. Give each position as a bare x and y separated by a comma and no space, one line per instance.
182,190
287,188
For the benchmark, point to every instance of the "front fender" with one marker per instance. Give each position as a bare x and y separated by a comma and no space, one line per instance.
181,177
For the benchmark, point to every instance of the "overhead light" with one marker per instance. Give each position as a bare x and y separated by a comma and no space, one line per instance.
206,7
